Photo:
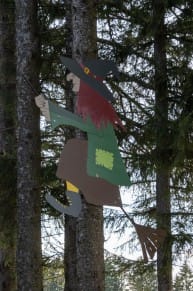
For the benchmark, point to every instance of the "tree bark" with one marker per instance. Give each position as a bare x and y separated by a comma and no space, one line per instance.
86,258
7,146
70,259
29,272
164,254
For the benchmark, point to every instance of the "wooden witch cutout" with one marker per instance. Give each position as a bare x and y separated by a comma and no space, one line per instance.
94,166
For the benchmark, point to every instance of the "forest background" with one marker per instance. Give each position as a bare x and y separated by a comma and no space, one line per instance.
151,42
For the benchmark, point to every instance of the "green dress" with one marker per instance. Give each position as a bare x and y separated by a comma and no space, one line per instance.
104,159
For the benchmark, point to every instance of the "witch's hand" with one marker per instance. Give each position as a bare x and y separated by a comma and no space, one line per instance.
42,103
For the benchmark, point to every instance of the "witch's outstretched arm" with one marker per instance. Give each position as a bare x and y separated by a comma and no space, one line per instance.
59,116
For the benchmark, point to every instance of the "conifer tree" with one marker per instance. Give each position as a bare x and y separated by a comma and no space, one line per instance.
184,280
88,227
156,111
163,199
7,147
28,148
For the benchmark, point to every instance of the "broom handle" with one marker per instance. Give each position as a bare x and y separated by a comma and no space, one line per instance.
127,215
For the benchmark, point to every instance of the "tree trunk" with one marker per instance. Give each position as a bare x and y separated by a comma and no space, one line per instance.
164,254
86,258
70,222
7,147
29,273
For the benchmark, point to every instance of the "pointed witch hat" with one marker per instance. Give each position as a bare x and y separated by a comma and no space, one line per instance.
91,101
92,72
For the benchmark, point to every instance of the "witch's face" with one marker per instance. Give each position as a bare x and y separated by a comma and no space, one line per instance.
75,80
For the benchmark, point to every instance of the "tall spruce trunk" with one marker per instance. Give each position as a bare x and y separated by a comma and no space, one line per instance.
86,259
29,273
7,147
164,254
70,261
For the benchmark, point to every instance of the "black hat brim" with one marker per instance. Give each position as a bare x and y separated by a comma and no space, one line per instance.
75,68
